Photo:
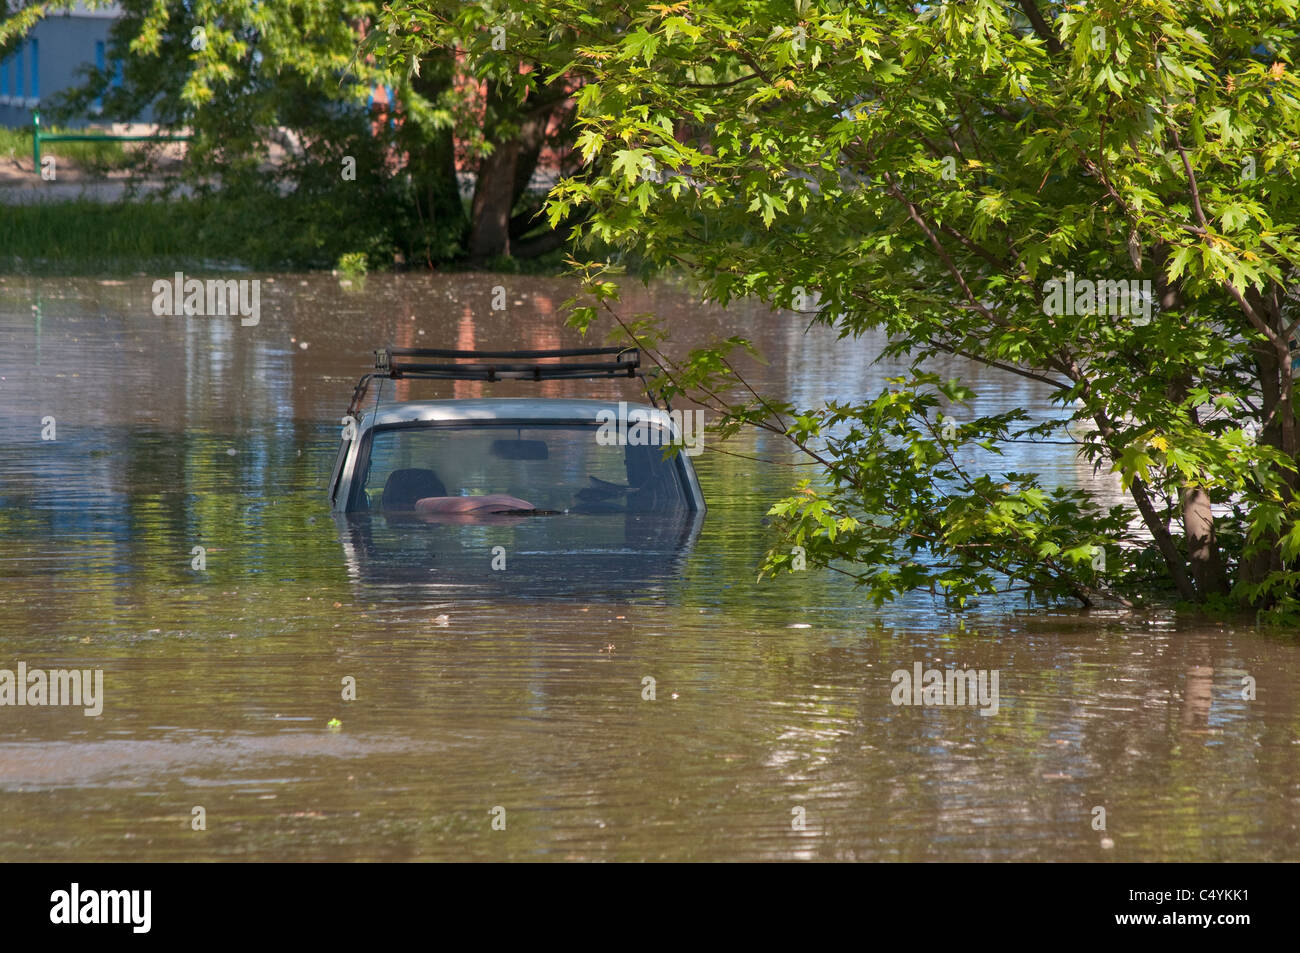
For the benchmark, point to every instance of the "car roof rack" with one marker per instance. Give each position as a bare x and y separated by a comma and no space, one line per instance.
405,363
523,365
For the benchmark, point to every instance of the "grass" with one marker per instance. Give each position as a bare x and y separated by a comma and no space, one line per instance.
289,233
82,236
263,231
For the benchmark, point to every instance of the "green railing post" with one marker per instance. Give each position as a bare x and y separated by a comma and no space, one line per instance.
36,140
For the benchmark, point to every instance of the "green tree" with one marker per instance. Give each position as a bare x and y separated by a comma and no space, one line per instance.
510,101
945,172
286,81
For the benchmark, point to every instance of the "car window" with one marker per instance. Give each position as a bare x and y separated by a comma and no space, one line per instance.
553,467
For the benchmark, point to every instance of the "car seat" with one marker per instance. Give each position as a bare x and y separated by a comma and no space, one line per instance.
404,487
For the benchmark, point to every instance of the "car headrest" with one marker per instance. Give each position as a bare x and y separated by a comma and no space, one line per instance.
404,487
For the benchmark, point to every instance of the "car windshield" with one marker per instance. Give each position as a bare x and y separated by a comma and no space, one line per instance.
558,467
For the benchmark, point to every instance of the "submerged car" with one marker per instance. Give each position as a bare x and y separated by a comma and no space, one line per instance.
572,497
509,457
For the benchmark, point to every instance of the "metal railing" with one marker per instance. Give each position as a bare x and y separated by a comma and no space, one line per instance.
38,137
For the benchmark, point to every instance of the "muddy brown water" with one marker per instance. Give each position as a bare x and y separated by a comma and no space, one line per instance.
771,734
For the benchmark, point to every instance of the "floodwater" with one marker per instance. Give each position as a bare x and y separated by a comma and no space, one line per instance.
509,720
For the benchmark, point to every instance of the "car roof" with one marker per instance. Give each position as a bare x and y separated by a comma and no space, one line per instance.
488,409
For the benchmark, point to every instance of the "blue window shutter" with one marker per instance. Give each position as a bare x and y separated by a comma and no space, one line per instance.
99,65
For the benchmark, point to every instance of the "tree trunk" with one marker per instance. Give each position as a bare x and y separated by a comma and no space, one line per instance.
494,199
1202,547
504,175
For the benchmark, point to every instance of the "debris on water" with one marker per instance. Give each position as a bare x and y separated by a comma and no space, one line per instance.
798,625
334,724
443,619
231,452
1107,843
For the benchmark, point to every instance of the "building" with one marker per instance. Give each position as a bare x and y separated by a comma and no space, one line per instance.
51,58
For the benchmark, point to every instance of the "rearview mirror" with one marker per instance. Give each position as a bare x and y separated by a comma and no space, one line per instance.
520,449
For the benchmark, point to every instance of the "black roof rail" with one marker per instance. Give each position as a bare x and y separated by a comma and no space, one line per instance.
507,365
403,363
